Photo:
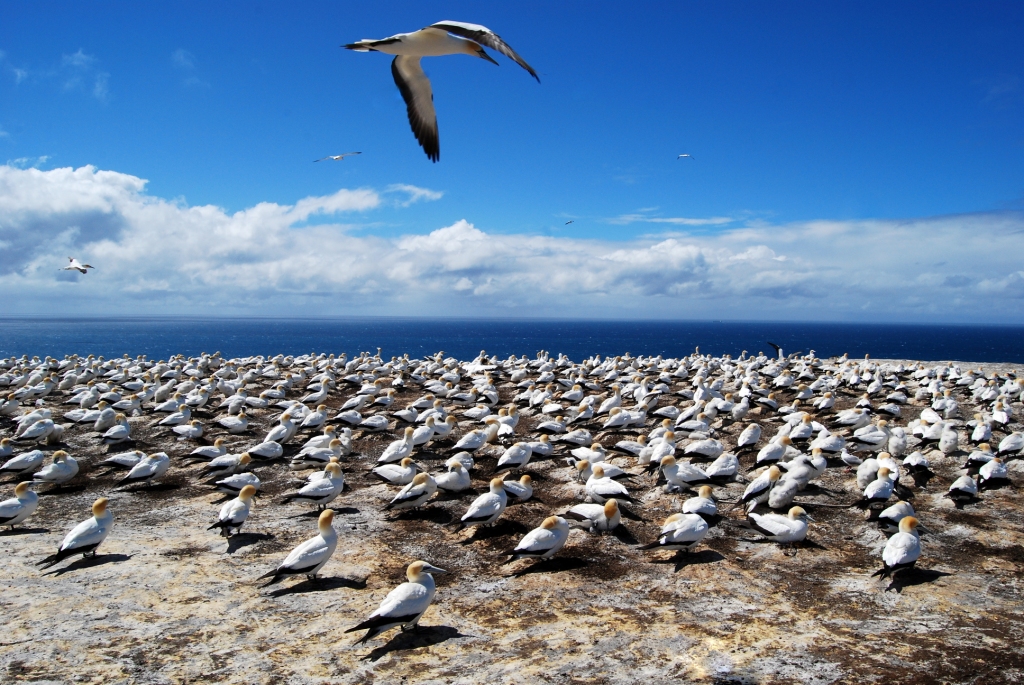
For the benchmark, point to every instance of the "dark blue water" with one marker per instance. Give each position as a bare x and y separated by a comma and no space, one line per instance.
159,338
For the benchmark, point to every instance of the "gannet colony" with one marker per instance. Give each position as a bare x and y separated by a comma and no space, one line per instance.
321,518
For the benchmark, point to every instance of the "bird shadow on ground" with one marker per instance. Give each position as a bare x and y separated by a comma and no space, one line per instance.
315,513
455,496
496,531
98,560
427,513
683,559
414,639
153,487
240,540
58,490
320,585
622,534
23,531
961,503
914,576
555,565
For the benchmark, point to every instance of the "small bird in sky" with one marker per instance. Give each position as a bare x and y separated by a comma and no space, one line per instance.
442,38
570,221
76,265
687,154
337,158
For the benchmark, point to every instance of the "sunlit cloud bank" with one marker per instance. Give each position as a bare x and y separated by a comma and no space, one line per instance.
156,256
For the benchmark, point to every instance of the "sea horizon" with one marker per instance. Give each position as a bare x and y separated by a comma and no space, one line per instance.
162,336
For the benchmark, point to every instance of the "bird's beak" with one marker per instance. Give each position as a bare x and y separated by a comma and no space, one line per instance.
483,55
811,518
923,531
433,569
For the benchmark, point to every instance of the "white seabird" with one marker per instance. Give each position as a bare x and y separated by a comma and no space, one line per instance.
543,542
456,479
405,604
680,532
486,508
24,463
902,550
777,528
75,265
337,158
442,38
63,469
597,517
323,491
415,494
308,558
85,537
15,510
148,469
234,513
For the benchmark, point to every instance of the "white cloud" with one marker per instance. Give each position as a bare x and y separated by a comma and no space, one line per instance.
79,60
414,193
79,72
183,58
155,256
3,133
643,217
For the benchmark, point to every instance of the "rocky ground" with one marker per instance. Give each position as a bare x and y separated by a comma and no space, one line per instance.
167,601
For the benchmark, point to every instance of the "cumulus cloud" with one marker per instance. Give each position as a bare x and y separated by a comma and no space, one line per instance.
413,193
156,256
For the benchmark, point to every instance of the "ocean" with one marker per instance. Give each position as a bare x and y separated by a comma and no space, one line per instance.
160,337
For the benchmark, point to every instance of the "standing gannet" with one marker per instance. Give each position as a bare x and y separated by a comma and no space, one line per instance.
704,505
486,508
414,494
322,491
680,532
405,604
75,265
308,558
760,488
234,513
15,510
433,41
85,537
993,474
902,550
543,542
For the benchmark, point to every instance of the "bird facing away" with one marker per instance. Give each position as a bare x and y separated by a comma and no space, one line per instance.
75,265
337,158
442,38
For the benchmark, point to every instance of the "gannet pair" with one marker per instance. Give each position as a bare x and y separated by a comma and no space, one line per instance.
442,38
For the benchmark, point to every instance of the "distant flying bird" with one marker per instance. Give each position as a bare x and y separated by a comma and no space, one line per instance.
433,41
570,221
76,265
686,155
338,158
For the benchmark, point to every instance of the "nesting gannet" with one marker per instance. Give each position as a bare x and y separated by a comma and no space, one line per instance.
85,537
486,508
777,528
681,532
24,463
399,449
405,604
147,470
234,483
963,489
401,473
600,487
207,452
337,158
889,518
236,424
190,431
415,494
226,465
15,510
456,479
234,513
75,265
323,491
543,542
597,517
308,558
515,457
704,505
993,474
902,550
63,469
878,490
521,489
681,475
584,471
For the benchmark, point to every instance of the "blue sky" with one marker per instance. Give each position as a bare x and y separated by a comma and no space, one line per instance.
795,113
